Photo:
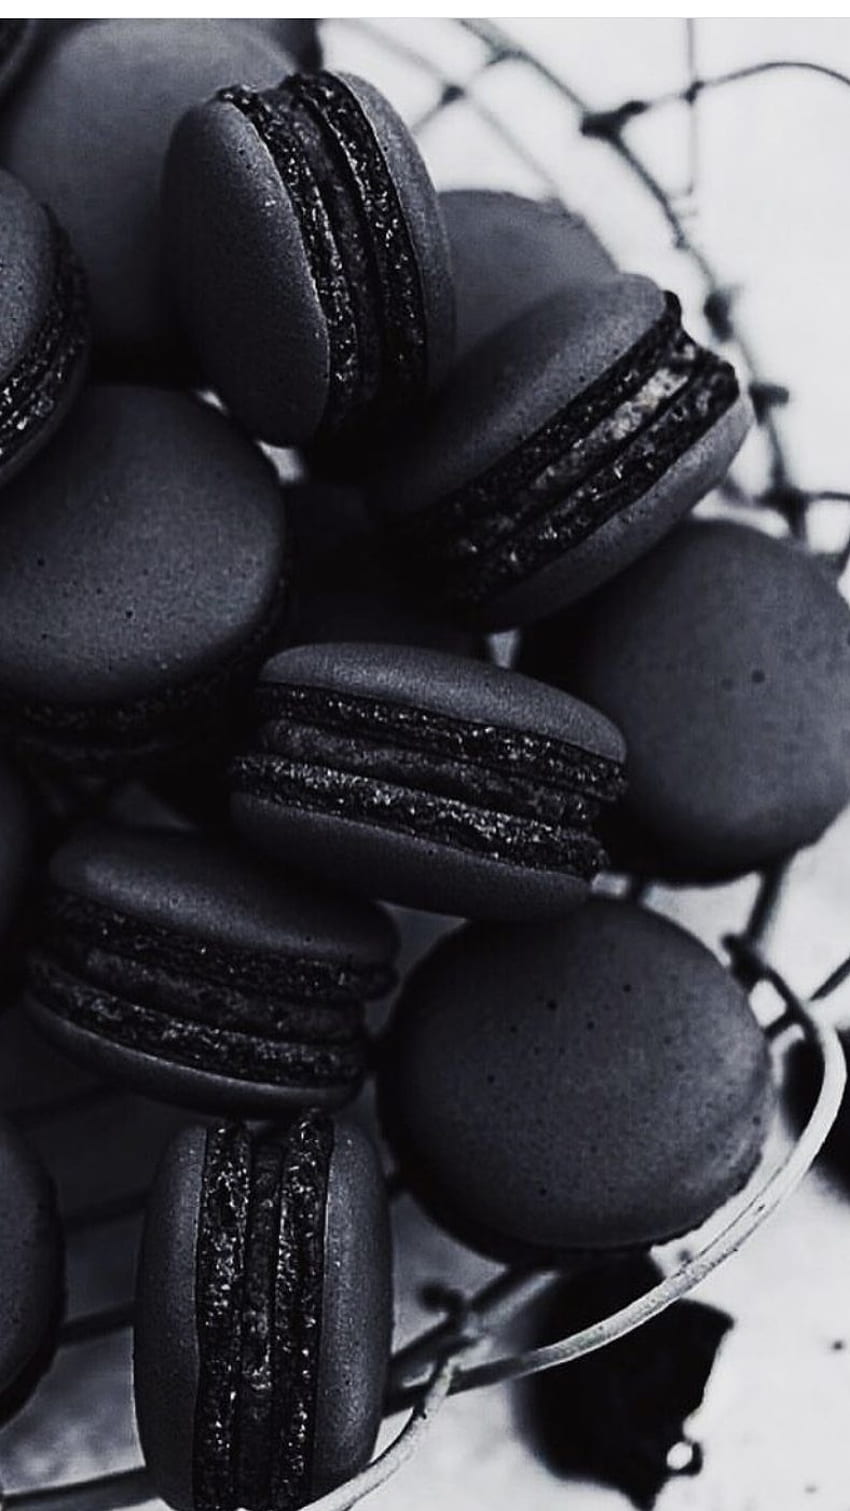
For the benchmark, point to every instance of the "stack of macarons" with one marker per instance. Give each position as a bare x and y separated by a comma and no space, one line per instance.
239,715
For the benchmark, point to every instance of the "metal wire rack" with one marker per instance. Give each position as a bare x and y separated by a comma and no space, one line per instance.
455,1354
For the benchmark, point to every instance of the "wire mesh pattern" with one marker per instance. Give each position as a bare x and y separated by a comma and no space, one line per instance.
450,1356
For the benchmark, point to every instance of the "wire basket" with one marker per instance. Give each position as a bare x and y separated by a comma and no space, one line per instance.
446,76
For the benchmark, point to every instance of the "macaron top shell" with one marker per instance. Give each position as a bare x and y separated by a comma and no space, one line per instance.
30,1255
598,1083
725,657
437,682
509,253
214,893
143,549
87,131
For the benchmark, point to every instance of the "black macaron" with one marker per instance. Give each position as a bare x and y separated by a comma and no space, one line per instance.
143,564
509,252
264,1315
563,447
724,656
308,256
87,130
427,779
188,970
596,1083
44,326
30,1267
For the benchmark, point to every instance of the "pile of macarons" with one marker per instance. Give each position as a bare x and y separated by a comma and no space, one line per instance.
251,704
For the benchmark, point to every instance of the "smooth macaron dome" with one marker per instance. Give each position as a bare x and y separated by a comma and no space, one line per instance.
598,1083
263,1315
44,325
87,130
725,658
188,970
30,1266
308,256
509,252
431,780
563,447
143,568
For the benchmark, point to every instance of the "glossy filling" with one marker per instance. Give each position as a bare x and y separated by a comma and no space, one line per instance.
271,1018
356,238
521,798
595,458
31,393
259,1280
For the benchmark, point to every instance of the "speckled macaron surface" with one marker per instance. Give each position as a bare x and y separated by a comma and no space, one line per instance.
30,1257
44,325
87,131
563,448
595,1083
426,779
143,566
308,256
264,1314
509,252
197,975
725,658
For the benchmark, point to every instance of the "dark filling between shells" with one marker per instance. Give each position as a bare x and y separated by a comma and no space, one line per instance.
599,455
523,798
271,1018
31,392
356,238
259,1281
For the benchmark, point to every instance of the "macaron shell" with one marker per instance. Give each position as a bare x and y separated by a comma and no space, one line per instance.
596,1084
157,549
726,655
403,868
241,277
423,219
217,893
166,1357
164,1080
30,1255
456,686
87,130
510,385
631,532
508,253
356,1326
